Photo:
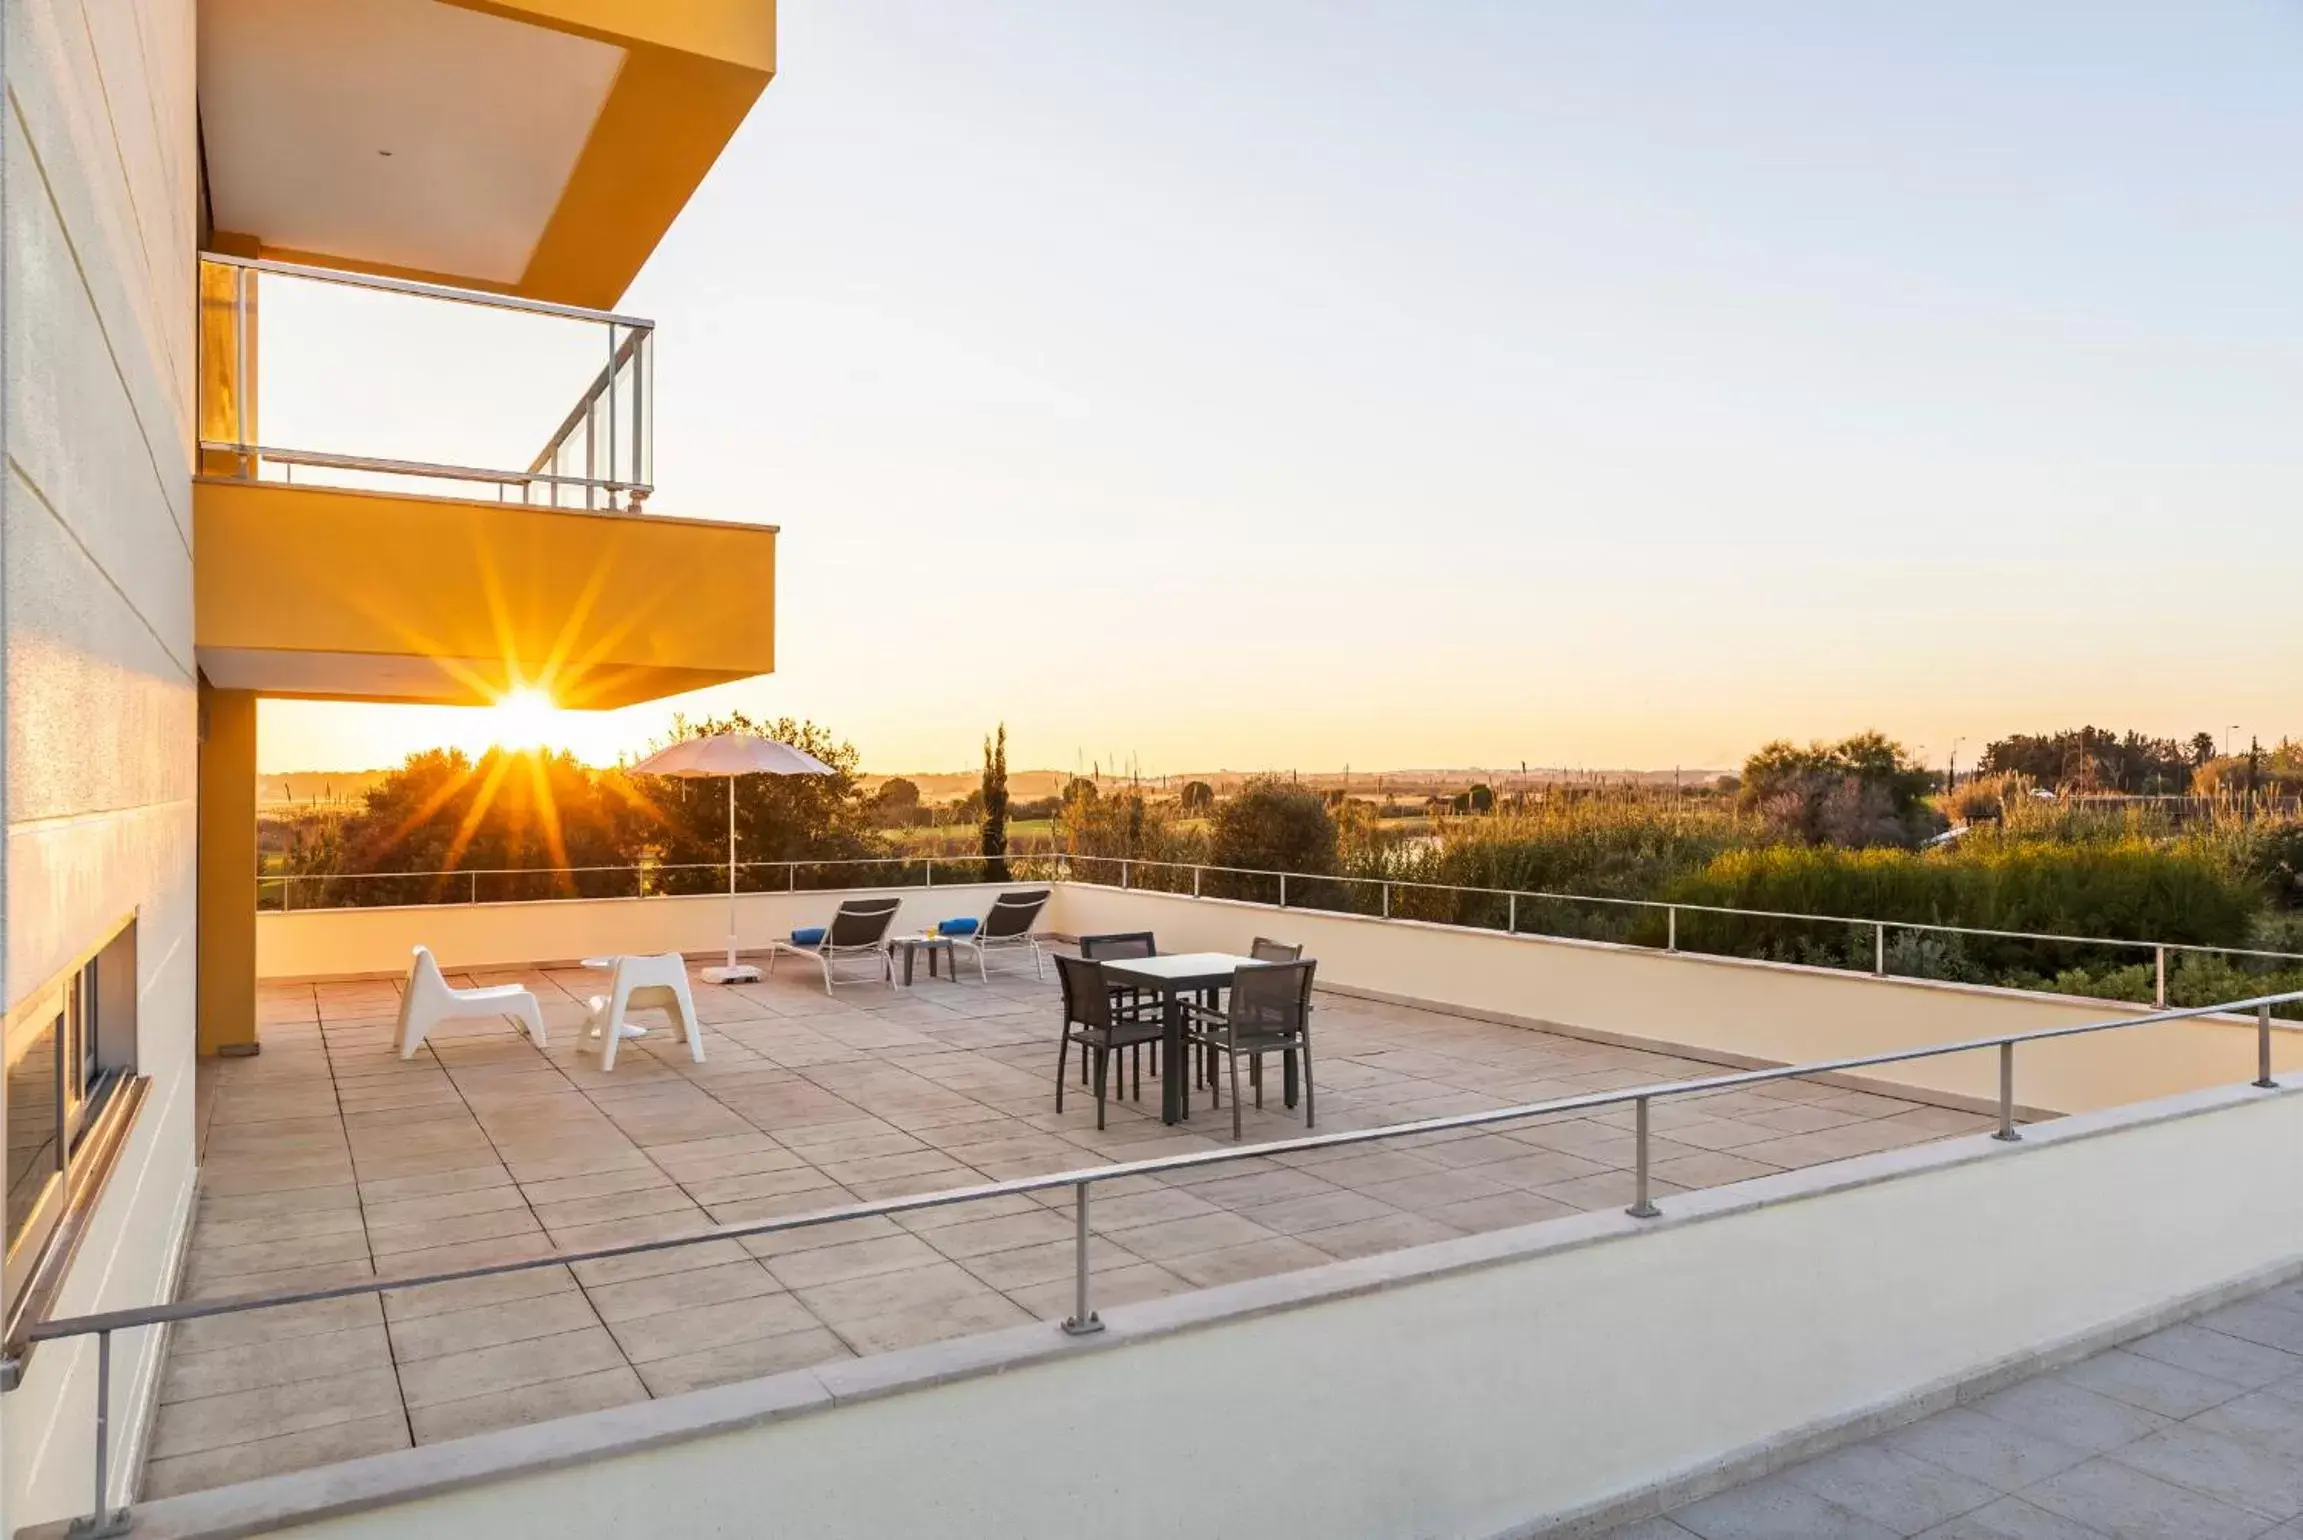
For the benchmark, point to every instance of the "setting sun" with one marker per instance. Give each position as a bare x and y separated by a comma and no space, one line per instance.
524,719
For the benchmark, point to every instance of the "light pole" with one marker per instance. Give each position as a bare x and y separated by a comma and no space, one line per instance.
1951,775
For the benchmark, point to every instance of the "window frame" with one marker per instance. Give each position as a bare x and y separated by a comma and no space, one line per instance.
89,1011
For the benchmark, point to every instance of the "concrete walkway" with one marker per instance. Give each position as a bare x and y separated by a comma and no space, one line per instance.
2192,1433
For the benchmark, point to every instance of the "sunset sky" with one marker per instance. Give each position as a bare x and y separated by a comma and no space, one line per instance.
1258,384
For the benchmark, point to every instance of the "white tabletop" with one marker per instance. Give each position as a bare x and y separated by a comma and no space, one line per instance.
1178,965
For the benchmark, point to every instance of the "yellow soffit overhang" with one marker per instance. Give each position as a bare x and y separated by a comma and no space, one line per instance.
328,593
691,71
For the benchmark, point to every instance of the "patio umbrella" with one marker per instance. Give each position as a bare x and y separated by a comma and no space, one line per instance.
731,755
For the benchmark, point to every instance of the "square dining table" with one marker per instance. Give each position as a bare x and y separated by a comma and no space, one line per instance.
1173,979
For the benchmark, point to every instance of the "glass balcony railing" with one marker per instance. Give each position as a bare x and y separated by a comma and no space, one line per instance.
319,377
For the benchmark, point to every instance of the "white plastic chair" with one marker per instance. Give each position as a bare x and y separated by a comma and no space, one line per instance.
642,983
428,1000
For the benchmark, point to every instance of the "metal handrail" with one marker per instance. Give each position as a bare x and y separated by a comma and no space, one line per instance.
1083,1321
1692,908
481,297
669,866
602,383
791,868
2160,950
428,468
628,350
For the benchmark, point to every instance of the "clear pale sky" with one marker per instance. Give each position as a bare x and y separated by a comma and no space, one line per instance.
1255,384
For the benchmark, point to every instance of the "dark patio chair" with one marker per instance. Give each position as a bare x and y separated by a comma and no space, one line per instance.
1007,927
1116,946
1091,1021
1269,1011
1262,949
859,928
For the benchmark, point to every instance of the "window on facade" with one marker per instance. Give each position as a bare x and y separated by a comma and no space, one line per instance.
35,1166
68,1049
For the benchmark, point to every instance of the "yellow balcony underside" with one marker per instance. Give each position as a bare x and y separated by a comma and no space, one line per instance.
325,594
530,147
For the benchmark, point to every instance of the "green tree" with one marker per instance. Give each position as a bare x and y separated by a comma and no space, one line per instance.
519,821
896,805
778,817
2096,759
1078,790
1274,826
1863,790
995,806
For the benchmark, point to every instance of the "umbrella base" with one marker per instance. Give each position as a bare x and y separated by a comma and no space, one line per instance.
741,973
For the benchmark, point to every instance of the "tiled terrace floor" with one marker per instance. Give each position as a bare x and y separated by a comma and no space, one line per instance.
2192,1433
326,1160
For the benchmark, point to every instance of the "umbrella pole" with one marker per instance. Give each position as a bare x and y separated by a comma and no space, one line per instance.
735,972
731,873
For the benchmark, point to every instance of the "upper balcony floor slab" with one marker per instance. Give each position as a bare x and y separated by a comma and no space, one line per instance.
329,593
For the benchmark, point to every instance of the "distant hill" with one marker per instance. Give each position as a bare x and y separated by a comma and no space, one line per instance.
1029,785
315,788
951,786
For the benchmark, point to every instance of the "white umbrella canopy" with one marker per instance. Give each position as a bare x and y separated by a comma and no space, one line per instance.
731,755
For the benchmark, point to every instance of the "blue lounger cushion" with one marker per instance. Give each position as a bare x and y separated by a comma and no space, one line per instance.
966,927
808,935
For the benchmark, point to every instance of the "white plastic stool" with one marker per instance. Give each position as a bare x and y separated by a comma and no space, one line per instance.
642,983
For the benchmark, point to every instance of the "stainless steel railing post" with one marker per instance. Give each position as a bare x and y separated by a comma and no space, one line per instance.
2007,1129
1195,875
610,379
1084,1321
1511,915
1642,1206
245,464
1879,949
2263,1049
103,1425
1283,890
1387,900
2159,986
101,1519
1671,928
